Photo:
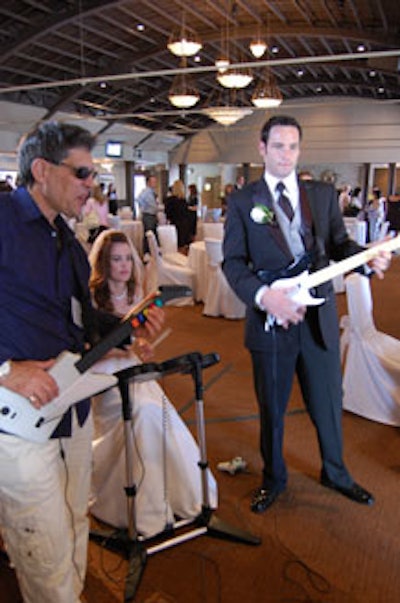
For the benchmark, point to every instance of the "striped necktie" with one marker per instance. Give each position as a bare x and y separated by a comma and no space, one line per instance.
284,202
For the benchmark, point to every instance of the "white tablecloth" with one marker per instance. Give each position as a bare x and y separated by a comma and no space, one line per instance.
134,230
199,264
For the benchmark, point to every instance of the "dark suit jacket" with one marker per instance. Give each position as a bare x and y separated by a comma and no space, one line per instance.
250,247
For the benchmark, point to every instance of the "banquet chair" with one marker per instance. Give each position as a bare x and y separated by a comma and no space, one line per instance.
168,238
338,282
220,299
160,272
371,380
125,212
213,230
114,221
356,229
383,230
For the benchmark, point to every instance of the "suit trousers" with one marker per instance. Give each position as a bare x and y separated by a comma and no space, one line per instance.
289,352
150,222
43,512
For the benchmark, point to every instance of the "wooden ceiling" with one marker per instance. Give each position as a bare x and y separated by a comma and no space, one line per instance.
110,60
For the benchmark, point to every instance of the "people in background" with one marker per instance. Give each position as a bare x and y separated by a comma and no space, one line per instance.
165,459
95,212
228,190
344,198
240,182
356,199
177,213
305,175
5,187
277,227
375,212
193,203
148,205
112,197
10,181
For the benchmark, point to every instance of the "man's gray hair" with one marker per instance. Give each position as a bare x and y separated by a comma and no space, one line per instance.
52,141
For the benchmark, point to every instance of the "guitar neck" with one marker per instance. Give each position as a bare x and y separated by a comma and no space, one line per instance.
326,274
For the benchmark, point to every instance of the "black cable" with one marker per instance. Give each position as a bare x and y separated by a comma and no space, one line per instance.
70,511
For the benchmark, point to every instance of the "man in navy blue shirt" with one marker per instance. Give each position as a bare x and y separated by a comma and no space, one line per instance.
45,307
43,287
44,272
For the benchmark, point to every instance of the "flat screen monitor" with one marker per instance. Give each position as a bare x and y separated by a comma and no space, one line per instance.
113,148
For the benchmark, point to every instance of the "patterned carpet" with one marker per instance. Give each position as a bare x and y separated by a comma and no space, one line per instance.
316,545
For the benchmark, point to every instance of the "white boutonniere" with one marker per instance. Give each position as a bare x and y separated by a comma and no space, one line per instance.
261,214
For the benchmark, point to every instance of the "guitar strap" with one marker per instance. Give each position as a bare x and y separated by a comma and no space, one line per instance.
89,318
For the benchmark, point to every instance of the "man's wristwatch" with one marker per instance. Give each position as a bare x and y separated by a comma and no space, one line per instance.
5,369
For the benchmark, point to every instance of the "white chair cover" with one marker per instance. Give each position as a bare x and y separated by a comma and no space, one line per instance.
161,272
168,238
371,381
114,221
213,230
356,229
383,229
165,460
220,299
125,212
338,282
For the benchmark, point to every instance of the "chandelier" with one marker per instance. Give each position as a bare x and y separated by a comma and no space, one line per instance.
227,116
184,43
258,47
183,93
237,77
227,107
231,77
267,94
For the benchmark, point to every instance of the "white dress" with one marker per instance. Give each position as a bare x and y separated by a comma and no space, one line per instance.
165,459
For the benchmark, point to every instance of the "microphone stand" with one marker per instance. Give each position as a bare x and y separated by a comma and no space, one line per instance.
128,542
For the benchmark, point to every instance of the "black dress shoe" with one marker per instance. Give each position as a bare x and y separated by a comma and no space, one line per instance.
263,498
354,492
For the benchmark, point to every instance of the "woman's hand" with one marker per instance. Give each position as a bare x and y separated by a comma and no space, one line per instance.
154,323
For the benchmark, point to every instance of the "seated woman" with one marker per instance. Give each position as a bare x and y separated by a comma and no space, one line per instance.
166,456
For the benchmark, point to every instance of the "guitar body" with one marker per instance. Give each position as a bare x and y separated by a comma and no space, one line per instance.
298,289
301,284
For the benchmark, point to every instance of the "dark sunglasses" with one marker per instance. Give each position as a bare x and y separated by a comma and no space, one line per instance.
82,173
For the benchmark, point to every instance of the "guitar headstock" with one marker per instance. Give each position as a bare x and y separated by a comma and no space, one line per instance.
138,314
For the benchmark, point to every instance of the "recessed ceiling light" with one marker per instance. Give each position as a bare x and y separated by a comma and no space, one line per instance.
300,72
372,73
361,48
274,49
140,27
197,58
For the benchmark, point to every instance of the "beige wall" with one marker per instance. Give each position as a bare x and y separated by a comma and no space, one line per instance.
335,132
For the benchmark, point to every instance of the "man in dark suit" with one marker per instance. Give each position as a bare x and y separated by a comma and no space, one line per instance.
275,227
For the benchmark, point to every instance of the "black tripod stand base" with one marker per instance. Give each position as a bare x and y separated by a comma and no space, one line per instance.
134,552
117,541
220,529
